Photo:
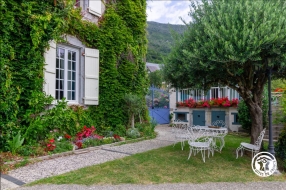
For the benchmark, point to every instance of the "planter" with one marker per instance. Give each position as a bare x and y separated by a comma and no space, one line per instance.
199,106
215,106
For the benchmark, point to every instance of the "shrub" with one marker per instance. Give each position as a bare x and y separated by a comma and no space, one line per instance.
90,142
120,130
63,146
31,150
146,128
133,133
61,117
280,146
16,143
108,140
244,116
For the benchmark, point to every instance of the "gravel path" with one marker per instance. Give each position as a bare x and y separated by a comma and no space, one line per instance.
179,186
65,164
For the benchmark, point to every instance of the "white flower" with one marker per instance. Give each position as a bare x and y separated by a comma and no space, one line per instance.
60,138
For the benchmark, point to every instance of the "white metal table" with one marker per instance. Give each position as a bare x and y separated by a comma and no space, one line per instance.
217,134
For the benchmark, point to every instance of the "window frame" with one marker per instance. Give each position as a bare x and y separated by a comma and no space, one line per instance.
77,72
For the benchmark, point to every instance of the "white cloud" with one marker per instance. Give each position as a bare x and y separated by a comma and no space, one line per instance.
168,11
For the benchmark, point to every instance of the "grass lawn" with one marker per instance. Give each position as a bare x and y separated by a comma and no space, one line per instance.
168,165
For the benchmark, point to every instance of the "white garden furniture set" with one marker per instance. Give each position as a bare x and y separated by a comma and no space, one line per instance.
200,138
208,138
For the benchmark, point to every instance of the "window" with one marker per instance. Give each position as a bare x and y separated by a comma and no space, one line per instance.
62,71
66,73
181,116
94,7
235,119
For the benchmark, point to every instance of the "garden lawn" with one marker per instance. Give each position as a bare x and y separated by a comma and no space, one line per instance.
168,165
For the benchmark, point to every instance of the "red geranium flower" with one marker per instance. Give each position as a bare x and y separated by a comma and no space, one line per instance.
67,136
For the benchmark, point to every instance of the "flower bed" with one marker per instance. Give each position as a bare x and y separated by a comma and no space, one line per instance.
214,102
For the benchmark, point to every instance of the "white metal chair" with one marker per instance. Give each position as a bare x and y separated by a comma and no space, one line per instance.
254,148
220,134
219,123
180,132
200,141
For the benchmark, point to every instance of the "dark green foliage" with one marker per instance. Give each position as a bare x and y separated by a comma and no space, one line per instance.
146,129
122,43
61,117
160,40
63,146
280,146
27,27
244,116
156,78
120,130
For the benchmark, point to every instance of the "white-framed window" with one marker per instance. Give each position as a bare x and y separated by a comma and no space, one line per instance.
67,70
63,66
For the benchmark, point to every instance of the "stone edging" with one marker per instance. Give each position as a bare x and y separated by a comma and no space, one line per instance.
78,151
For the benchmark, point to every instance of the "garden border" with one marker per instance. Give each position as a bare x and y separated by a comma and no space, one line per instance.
79,151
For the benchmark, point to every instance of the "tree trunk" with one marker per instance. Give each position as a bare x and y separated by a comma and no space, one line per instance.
132,120
256,119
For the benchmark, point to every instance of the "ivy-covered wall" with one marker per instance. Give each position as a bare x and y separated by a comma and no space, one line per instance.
27,26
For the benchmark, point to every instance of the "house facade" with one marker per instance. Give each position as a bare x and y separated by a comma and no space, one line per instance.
204,116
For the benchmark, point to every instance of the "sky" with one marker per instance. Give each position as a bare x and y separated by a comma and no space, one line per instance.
168,11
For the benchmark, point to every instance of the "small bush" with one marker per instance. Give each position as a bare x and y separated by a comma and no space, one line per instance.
26,150
133,133
63,146
280,146
108,140
120,130
146,129
90,142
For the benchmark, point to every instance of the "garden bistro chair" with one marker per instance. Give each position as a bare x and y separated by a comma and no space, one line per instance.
220,134
180,132
201,141
254,148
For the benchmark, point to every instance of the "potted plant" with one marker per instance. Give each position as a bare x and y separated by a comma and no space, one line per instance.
234,102
199,104
190,103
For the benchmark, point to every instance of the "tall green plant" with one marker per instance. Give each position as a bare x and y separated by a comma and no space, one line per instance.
16,143
133,105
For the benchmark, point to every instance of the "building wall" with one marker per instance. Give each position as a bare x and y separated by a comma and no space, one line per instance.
230,113
87,15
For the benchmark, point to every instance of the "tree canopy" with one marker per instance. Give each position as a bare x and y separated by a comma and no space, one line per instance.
232,43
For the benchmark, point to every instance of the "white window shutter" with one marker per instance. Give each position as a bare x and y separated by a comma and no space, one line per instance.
50,70
91,87
95,7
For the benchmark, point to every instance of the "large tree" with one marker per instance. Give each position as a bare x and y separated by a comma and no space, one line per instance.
232,43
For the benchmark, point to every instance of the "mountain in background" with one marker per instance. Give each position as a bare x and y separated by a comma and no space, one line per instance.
160,40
